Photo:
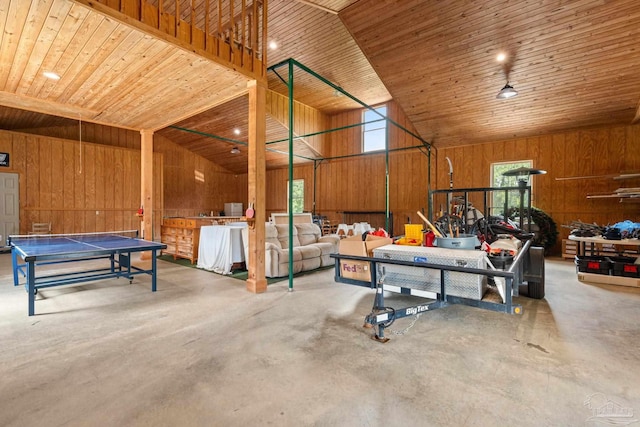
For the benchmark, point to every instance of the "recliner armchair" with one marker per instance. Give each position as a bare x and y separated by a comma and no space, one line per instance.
311,250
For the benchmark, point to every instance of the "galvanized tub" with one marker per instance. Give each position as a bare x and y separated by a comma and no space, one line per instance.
464,241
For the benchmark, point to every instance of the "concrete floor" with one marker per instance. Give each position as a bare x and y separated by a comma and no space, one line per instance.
204,352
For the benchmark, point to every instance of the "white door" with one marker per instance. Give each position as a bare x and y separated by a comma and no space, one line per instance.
9,206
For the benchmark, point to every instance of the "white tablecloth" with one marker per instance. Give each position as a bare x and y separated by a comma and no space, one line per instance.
220,247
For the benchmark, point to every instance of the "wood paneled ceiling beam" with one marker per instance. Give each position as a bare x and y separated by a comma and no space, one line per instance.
53,108
191,113
296,136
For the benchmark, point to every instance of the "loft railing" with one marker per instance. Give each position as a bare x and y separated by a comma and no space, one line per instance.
233,30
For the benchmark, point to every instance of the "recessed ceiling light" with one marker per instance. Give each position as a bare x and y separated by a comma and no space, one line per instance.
273,45
51,75
236,131
501,57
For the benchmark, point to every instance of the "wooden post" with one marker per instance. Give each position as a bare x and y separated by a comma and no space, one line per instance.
257,282
146,186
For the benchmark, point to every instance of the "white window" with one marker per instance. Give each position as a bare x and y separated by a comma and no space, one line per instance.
298,195
499,180
374,131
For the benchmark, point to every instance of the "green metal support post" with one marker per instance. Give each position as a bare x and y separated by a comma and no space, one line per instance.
290,87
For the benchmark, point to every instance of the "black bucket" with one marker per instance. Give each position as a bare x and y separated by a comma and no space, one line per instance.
501,260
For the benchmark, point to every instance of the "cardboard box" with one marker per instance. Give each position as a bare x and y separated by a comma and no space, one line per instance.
359,270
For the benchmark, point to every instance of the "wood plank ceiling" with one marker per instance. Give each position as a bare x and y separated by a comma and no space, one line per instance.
574,64
320,41
110,73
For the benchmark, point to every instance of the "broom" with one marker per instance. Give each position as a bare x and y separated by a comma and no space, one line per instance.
431,226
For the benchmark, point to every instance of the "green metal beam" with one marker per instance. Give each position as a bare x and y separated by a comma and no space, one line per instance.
347,94
210,135
322,132
290,87
372,153
430,209
386,177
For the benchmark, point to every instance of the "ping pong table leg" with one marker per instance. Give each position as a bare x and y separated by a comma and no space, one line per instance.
14,263
153,270
31,284
126,258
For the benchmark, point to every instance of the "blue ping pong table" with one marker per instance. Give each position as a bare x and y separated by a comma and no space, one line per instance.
40,250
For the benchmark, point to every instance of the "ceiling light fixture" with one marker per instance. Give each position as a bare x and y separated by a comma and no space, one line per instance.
273,45
235,150
51,75
236,131
507,92
501,57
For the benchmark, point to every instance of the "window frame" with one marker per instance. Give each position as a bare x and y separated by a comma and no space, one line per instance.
514,197
383,125
295,181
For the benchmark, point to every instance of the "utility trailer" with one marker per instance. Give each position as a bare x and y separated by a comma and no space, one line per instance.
527,269
453,276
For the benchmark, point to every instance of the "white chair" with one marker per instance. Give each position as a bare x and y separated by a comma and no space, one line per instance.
344,230
361,227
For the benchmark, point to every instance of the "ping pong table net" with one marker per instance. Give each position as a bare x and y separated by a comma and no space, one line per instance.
96,236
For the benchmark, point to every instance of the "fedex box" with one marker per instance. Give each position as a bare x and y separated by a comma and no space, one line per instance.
359,270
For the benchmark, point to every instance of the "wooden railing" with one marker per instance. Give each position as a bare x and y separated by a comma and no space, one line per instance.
235,31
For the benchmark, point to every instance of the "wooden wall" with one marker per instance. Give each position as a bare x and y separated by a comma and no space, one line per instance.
187,183
78,187
358,183
193,185
183,195
598,151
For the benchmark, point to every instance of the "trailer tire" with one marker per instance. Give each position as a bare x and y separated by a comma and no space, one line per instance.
534,272
535,290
